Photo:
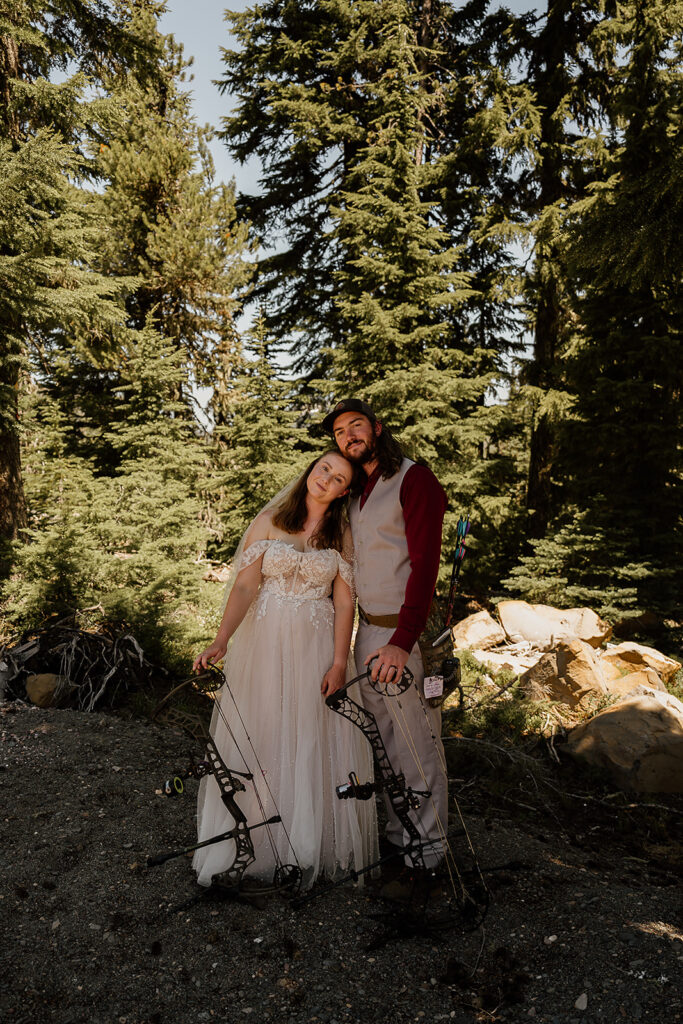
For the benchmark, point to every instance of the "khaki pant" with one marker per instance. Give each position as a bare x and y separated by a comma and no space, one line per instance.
413,743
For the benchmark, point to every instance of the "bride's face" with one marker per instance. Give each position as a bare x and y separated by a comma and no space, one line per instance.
329,479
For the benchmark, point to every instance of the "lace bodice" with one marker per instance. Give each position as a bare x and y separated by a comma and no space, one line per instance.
300,575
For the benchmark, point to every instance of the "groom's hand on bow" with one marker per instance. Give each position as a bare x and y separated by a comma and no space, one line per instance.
391,660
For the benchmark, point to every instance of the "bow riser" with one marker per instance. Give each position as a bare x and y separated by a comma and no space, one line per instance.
402,800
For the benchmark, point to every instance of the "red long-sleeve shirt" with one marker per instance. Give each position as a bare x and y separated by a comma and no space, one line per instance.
424,502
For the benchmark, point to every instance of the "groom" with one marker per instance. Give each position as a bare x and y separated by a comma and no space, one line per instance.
396,525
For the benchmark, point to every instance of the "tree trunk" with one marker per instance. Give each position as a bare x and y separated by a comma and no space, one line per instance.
9,72
551,82
547,337
425,39
12,504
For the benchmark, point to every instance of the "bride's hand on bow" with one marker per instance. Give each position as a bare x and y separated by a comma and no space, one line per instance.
213,653
333,680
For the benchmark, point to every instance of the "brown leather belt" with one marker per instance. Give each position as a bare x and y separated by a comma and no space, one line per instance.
387,621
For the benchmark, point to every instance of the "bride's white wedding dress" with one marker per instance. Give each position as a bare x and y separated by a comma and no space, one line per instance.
274,668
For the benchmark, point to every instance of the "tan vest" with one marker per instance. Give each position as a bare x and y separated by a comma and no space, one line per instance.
381,549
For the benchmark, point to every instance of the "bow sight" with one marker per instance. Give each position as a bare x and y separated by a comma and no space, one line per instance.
174,786
364,790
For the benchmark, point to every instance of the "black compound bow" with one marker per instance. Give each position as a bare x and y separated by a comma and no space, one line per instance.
403,799
472,900
286,877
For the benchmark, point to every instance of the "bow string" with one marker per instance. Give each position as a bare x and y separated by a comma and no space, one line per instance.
231,782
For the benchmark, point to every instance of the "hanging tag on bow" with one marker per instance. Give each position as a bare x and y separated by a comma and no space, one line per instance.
433,686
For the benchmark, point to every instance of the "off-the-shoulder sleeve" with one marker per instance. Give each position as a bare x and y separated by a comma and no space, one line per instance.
252,554
345,559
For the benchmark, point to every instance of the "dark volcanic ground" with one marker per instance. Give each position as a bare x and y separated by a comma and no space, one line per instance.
589,928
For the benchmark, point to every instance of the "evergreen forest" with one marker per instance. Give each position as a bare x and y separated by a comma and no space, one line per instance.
467,216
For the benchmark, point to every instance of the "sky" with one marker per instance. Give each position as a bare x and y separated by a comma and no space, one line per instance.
200,26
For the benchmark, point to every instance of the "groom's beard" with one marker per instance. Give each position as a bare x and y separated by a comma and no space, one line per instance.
361,453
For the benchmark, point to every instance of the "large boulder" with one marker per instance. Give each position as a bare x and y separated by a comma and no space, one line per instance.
568,674
46,689
637,742
620,660
543,625
479,630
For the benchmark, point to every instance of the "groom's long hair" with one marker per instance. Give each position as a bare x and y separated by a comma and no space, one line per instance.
389,453
291,514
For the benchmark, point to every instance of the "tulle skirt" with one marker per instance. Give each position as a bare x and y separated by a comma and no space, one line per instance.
297,749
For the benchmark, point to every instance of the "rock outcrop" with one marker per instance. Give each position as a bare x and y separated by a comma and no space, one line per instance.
557,654
620,660
542,625
569,673
637,742
624,685
479,631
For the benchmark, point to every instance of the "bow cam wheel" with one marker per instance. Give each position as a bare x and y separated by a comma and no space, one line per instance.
287,876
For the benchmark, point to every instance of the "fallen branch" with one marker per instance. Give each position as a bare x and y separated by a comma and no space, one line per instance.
514,755
490,698
91,667
607,801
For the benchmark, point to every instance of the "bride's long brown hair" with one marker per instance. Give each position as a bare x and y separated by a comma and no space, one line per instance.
291,514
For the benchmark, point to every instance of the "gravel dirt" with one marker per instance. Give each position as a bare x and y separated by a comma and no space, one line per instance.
585,926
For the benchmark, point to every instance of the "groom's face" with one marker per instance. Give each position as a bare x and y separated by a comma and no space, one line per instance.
356,437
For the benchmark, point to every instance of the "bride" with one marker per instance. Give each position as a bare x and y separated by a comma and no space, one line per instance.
289,616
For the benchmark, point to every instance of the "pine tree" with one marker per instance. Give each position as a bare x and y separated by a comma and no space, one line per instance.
261,443
122,324
61,564
620,452
169,224
169,238
132,542
299,113
396,281
569,62
155,529
488,120
46,221
315,88
344,105
442,244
